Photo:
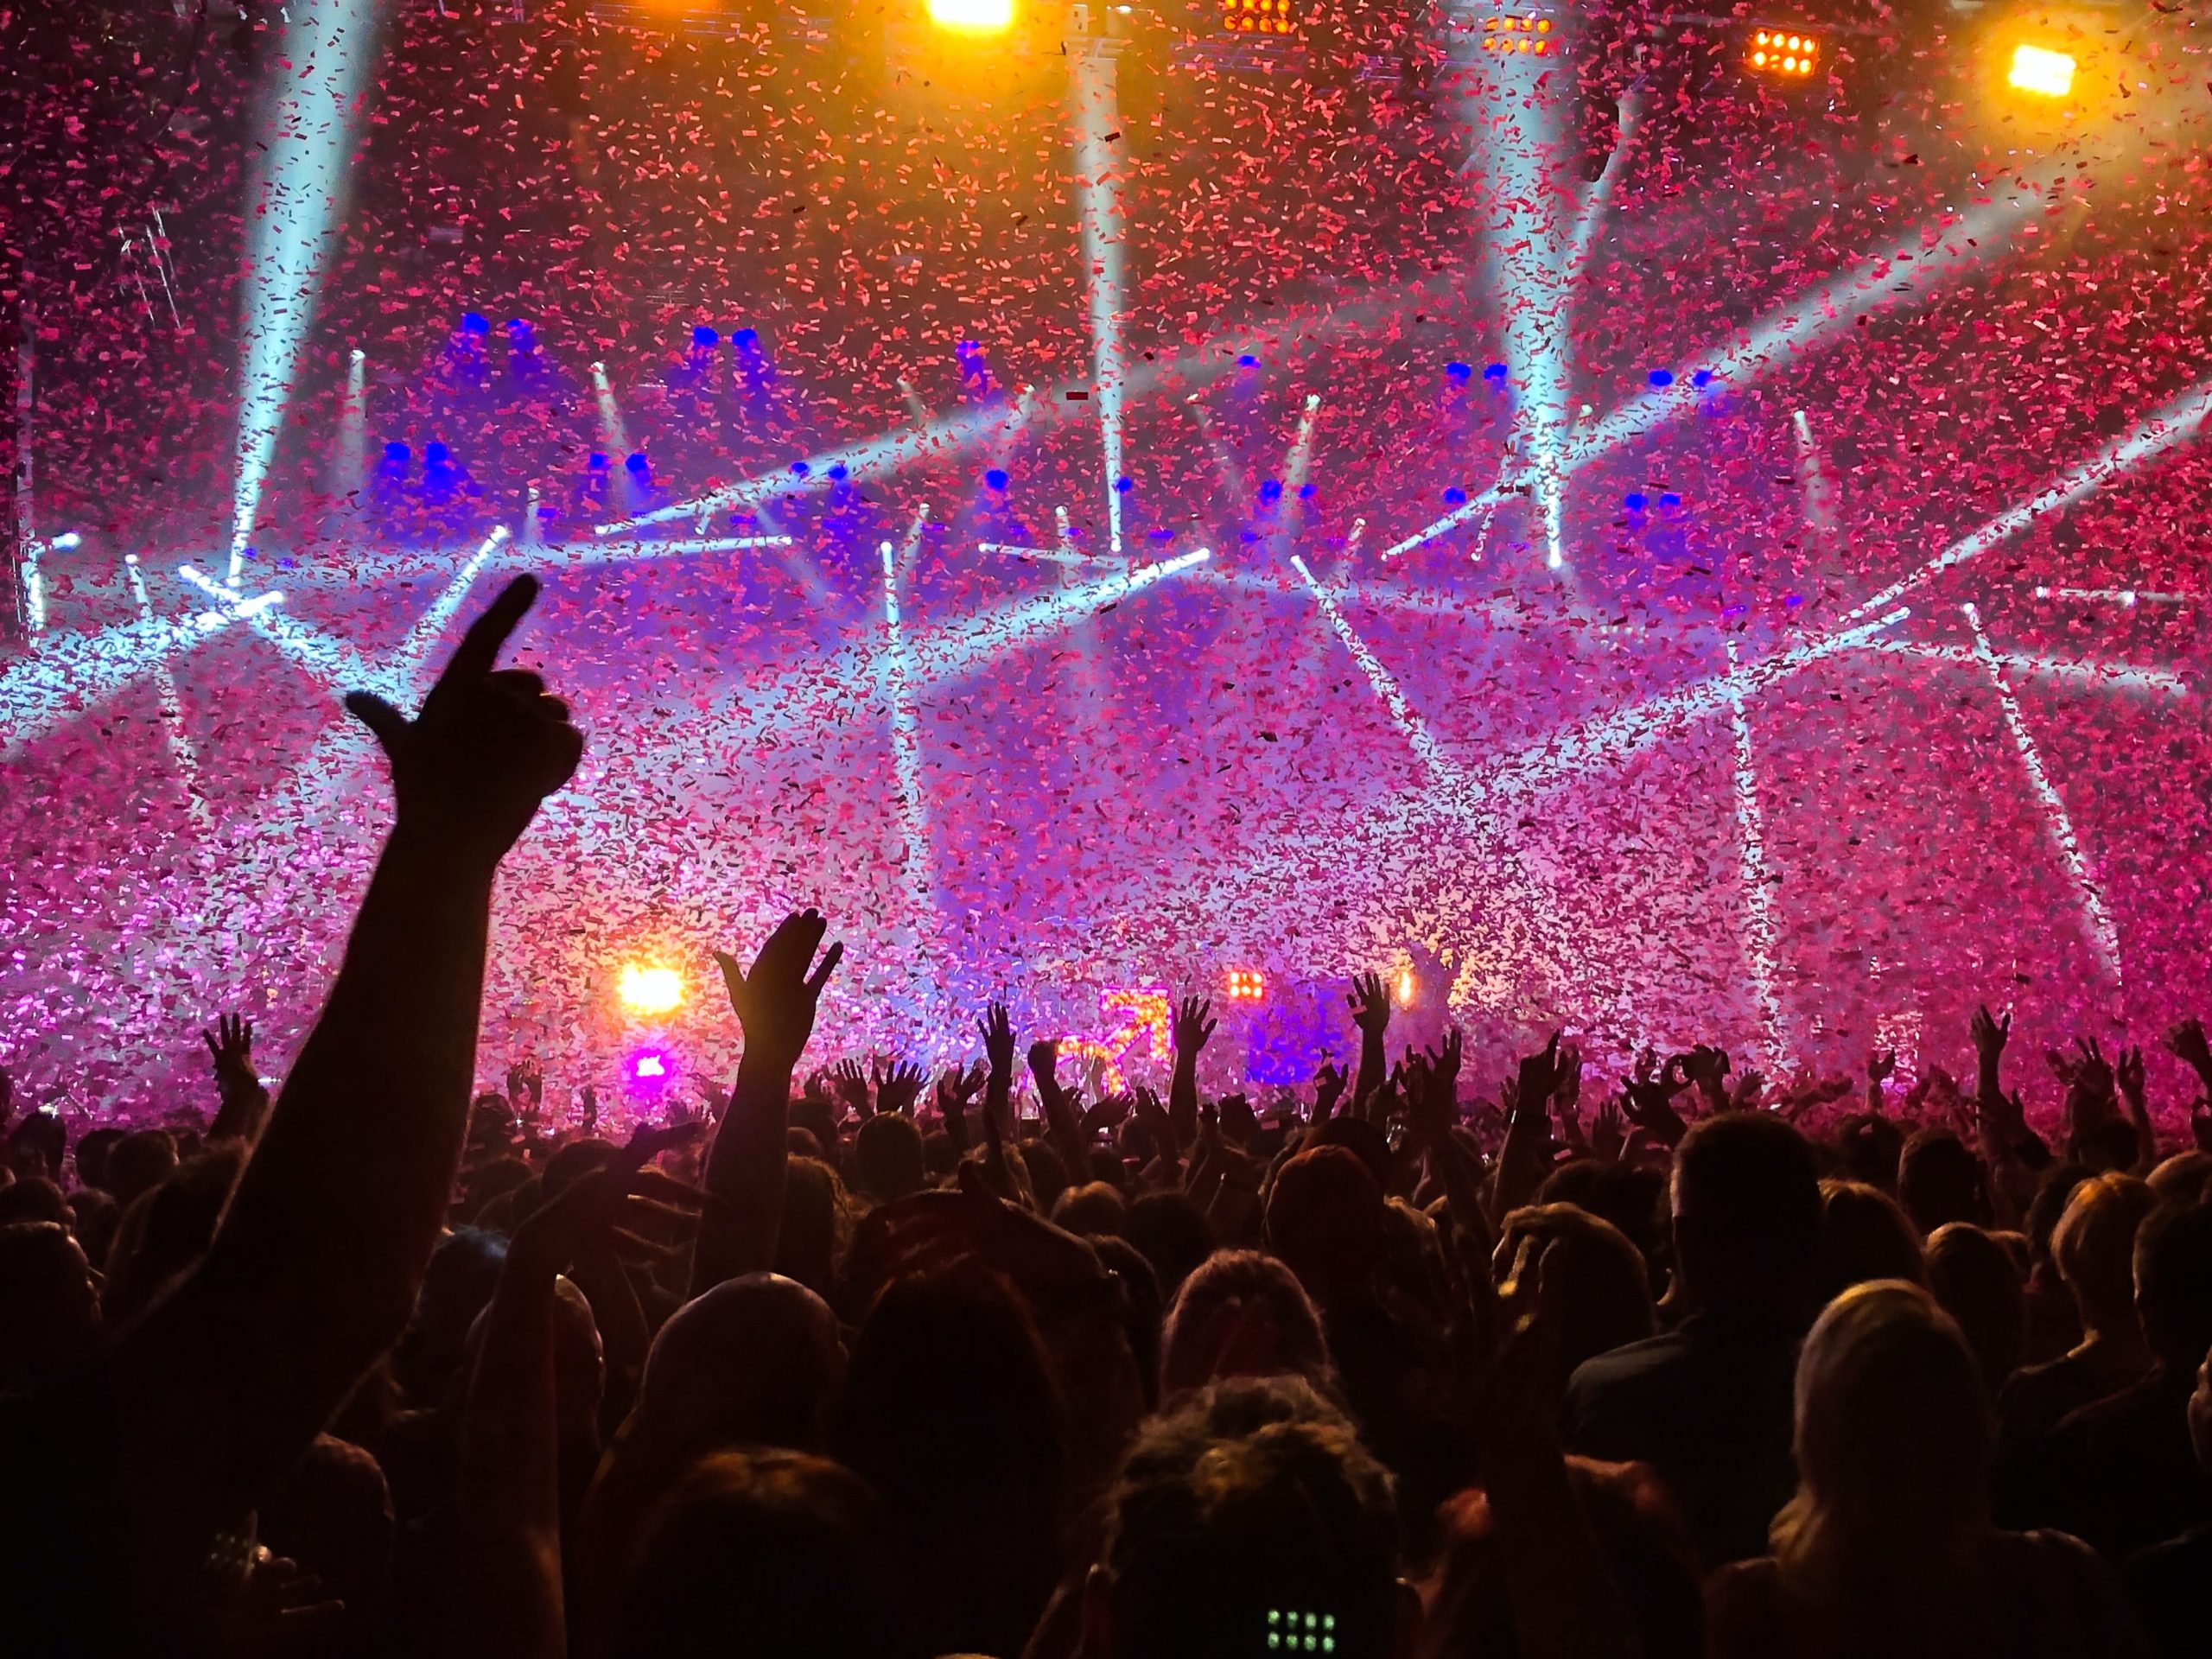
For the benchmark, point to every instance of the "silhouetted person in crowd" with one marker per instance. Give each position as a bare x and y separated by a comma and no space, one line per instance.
1708,1403
1886,1547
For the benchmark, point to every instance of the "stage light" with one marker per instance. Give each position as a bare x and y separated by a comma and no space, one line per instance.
973,16
703,335
2040,71
66,541
1782,52
1659,377
1406,989
650,1069
1247,985
649,989
996,478
1459,372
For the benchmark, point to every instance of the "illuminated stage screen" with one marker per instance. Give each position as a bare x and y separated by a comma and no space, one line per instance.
1555,506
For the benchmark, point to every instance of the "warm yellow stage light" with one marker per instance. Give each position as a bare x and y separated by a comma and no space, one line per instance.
973,16
2048,74
645,988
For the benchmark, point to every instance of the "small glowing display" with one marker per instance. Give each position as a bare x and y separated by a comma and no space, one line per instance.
973,16
1247,984
2046,74
647,989
1294,1631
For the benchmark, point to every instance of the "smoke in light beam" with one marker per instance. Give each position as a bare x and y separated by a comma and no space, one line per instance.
66,674
619,552
182,756
297,193
1762,932
1098,209
905,724
1782,336
2102,934
1442,769
2176,423
2080,671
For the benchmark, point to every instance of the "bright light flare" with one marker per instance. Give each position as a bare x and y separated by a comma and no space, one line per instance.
649,989
2038,70
973,16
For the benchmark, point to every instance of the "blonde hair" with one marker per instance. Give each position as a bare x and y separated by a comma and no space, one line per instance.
1893,1446
2094,1245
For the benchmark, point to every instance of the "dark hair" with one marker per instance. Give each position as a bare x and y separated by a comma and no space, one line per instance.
1632,1197
1864,1235
818,1224
2173,1281
1172,1233
2054,1191
1974,1282
1868,1147
1253,1499
168,1229
138,1162
1090,1210
1940,1180
952,1413
34,1199
1242,1286
1747,1209
887,1161
767,1551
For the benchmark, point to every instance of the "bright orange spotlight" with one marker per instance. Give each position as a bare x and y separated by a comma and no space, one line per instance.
646,988
973,16
1247,984
2038,70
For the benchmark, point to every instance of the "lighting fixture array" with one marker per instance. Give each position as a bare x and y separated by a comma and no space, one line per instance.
1255,17
1783,52
1508,33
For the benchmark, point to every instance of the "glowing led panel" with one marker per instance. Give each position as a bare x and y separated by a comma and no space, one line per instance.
646,988
1247,984
973,16
2044,73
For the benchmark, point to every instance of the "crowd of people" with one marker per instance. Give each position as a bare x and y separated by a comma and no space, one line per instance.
865,1365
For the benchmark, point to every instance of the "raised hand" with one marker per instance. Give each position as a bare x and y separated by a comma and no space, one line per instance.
849,1080
2093,1073
2127,1073
959,1087
898,1086
589,1211
1881,1066
1990,1033
1371,1006
469,770
1044,1064
1328,1089
776,1002
1608,1133
2186,1042
230,1046
1191,1027
997,1027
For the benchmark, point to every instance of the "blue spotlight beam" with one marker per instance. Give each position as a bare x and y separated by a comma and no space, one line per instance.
2102,934
329,47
